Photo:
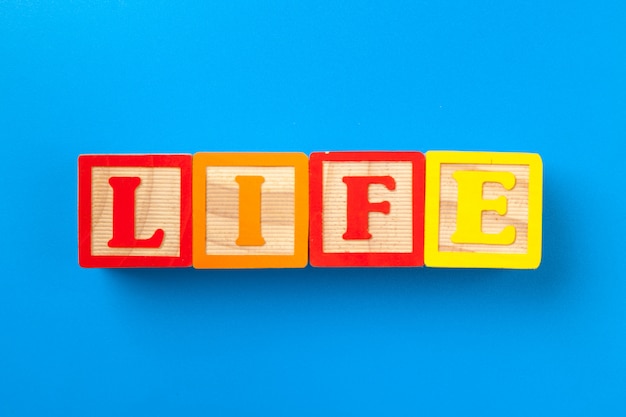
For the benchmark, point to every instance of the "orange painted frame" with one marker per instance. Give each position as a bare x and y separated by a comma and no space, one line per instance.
85,165
299,161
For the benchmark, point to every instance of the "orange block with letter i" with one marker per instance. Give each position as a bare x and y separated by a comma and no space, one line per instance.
483,210
250,210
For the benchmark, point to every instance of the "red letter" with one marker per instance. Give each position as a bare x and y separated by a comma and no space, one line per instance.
359,205
124,216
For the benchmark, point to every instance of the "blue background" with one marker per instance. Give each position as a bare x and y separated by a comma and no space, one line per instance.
169,77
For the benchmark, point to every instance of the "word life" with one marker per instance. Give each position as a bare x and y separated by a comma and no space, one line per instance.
330,209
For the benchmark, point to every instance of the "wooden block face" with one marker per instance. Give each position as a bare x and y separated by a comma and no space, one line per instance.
135,210
367,208
250,210
483,210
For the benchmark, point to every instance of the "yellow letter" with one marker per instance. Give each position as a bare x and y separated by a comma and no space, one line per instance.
471,205
250,210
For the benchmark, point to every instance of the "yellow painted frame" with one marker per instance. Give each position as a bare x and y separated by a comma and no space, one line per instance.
433,257
297,160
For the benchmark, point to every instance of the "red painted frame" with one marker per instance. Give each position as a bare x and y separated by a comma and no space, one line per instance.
318,258
86,163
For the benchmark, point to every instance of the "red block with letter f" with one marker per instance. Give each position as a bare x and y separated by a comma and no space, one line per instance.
134,210
366,209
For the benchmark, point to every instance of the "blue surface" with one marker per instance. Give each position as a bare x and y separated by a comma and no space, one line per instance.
119,77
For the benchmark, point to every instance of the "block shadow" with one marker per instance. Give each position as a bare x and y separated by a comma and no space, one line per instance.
544,286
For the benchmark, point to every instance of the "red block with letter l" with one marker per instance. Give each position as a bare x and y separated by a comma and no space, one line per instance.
134,210
366,209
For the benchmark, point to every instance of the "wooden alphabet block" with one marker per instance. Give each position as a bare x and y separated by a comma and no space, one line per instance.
367,209
251,210
134,210
483,210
